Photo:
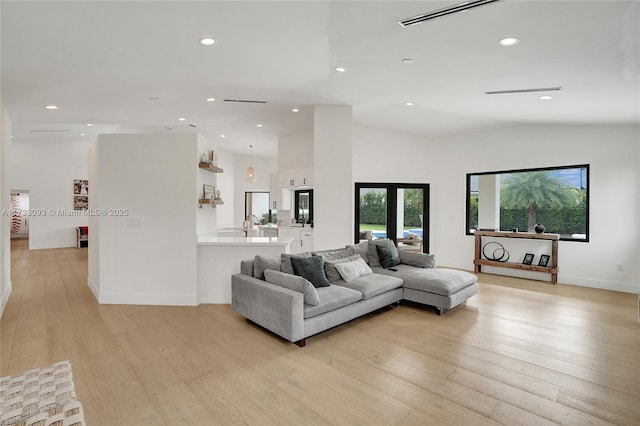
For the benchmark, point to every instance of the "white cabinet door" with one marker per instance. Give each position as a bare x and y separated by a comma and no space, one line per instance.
303,177
307,239
275,191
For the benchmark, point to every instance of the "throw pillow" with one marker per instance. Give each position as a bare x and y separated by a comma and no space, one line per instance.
285,261
388,254
295,283
349,271
374,259
362,249
330,267
310,268
421,260
261,263
335,254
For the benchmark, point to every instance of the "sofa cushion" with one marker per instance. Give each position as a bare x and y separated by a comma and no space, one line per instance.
330,267
285,261
261,263
294,282
388,254
421,260
362,249
372,284
335,254
311,268
351,270
331,298
372,251
439,281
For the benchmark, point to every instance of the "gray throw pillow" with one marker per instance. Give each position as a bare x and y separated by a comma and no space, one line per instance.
330,267
362,249
295,283
349,271
312,269
261,263
285,261
421,260
388,254
374,259
335,254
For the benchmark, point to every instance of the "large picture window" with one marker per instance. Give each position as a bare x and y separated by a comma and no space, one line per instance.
555,197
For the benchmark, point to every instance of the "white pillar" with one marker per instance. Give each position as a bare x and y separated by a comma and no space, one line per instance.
489,201
333,181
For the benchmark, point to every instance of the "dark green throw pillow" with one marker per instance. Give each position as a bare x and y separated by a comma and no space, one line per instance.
388,254
312,269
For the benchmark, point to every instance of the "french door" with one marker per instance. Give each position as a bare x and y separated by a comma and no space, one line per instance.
399,211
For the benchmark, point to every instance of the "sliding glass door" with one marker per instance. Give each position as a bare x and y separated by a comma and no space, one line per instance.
399,211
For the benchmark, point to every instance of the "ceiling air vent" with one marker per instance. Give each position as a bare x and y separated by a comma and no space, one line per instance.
49,131
246,101
462,7
539,89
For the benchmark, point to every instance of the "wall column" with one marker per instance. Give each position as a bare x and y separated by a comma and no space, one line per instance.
333,181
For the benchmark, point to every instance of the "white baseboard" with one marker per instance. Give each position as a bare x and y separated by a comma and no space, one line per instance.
94,289
601,284
6,293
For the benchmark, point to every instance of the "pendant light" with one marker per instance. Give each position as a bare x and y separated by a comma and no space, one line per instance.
250,173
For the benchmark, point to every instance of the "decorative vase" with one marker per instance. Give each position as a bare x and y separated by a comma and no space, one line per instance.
203,158
539,228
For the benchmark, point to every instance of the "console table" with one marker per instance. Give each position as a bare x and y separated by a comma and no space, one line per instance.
552,268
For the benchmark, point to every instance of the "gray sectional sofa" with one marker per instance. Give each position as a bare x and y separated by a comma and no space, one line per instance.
297,296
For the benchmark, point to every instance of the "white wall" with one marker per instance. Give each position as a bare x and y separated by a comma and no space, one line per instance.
612,151
5,247
148,256
264,167
47,169
333,176
225,213
295,151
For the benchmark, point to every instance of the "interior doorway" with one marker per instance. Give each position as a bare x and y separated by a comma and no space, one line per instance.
19,217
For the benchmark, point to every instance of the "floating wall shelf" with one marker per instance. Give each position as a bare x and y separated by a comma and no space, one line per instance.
210,168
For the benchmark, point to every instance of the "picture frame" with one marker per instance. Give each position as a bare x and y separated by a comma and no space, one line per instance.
80,187
528,259
208,191
544,260
80,202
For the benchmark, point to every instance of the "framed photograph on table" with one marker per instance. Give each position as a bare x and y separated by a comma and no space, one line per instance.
544,260
528,258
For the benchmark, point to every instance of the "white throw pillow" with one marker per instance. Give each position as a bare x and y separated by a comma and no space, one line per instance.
349,271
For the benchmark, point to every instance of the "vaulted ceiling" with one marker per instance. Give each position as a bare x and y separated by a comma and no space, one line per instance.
139,66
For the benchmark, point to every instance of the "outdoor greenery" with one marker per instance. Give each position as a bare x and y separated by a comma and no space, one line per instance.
373,207
536,192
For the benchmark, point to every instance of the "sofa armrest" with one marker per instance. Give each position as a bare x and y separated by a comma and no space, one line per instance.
275,308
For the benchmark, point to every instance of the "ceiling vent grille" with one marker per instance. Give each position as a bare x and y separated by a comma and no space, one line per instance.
462,7
539,89
246,101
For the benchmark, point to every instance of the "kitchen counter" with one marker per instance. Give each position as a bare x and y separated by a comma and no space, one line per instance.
214,240
219,258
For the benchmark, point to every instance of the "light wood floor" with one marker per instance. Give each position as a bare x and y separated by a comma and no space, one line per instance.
520,352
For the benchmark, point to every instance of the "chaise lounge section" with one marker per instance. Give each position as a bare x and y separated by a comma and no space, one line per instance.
299,296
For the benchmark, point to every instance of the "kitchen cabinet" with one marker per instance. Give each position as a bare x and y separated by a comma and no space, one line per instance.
296,178
302,238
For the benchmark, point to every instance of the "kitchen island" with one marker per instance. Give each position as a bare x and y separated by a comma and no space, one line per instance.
219,258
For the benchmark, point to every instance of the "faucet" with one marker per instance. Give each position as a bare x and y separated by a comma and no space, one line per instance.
252,222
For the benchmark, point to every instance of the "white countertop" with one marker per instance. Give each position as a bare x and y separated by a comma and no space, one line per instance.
213,240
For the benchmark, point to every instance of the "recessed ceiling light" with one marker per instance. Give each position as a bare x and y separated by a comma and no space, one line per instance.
211,99
51,107
509,41
89,125
182,119
408,103
223,136
81,134
207,41
407,61
546,97
341,69
258,125
295,110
